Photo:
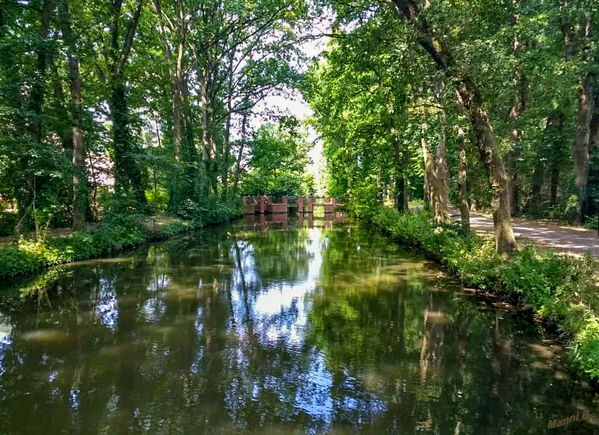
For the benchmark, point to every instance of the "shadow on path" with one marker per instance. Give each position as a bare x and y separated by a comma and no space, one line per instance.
575,240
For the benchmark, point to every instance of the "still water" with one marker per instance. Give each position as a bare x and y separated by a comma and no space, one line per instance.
273,327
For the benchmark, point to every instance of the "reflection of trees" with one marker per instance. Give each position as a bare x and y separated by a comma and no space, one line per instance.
224,330
280,256
434,359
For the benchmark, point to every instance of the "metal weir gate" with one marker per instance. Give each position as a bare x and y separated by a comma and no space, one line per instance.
303,204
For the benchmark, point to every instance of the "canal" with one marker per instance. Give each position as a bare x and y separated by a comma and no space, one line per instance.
274,327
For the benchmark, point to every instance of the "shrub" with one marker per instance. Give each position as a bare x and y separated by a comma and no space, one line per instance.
8,222
117,231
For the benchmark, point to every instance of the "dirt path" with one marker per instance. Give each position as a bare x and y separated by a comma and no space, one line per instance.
575,240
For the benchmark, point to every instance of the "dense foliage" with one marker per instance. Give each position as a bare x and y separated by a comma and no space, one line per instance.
141,106
492,103
278,159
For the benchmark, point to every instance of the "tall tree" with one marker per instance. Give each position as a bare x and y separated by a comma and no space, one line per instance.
586,103
469,95
174,54
128,177
77,136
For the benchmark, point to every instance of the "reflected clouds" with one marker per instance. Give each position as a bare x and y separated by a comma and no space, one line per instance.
107,309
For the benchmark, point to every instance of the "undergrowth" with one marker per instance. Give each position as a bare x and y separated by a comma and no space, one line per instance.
560,288
116,232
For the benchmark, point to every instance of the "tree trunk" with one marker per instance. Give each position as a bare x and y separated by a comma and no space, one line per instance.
405,194
554,184
410,10
516,110
581,143
435,173
591,208
175,76
78,160
127,174
227,142
554,137
586,107
36,103
240,152
505,241
536,191
205,121
513,189
463,182
194,175
400,194
429,172
442,186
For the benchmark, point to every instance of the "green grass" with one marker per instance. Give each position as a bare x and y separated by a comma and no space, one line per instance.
113,234
560,288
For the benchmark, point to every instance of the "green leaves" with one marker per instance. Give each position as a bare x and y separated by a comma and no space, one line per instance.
278,159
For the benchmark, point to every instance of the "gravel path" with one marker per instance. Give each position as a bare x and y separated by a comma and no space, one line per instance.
575,240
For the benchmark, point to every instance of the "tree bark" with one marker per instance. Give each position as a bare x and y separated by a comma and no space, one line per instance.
554,127
593,178
175,78
240,152
405,194
78,159
516,110
441,172
505,241
401,203
536,191
463,182
410,11
435,174
127,174
582,140
194,174
224,170
429,172
205,121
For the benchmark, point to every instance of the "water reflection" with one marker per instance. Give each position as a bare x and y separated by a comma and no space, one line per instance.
272,325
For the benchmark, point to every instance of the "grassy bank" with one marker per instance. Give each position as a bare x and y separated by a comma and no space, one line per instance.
560,288
114,233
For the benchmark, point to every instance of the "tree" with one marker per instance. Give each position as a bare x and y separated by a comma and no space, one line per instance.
470,97
78,160
278,160
128,177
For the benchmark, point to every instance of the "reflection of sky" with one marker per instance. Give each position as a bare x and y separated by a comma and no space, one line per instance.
279,316
314,395
153,309
74,398
5,343
280,308
160,282
318,397
198,323
107,309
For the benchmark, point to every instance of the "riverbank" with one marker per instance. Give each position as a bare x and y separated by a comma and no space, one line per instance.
111,235
559,288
